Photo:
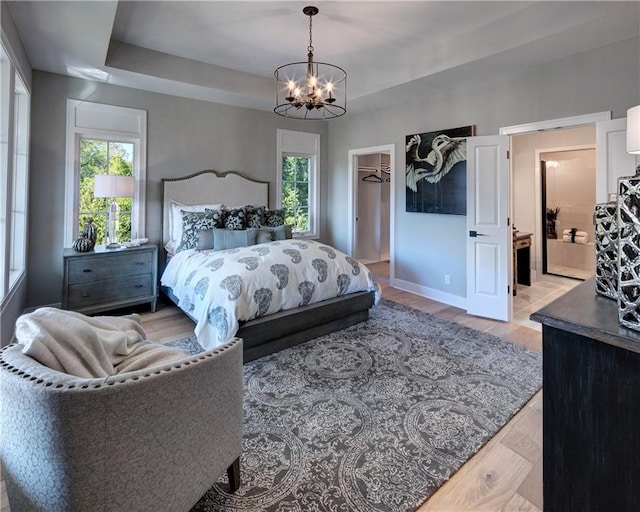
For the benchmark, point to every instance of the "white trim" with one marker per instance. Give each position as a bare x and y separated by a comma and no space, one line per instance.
431,293
352,199
105,122
554,124
521,129
302,144
8,297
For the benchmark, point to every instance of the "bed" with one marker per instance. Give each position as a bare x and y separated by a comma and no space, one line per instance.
269,326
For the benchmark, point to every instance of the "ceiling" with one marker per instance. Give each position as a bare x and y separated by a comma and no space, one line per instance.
226,52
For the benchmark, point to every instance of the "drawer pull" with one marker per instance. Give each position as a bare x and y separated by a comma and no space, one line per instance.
87,270
139,263
139,286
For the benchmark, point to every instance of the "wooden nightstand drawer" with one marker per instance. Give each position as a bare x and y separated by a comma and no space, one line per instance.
110,291
103,280
83,270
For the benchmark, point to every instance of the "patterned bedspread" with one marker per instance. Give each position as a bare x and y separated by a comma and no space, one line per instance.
222,288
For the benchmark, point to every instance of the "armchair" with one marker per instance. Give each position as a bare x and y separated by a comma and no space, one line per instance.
148,440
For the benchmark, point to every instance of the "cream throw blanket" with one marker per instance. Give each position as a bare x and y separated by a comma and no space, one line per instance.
90,347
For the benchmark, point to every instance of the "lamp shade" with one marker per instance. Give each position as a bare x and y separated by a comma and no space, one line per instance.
633,130
113,186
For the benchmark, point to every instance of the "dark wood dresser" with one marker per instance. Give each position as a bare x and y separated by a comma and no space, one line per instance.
591,405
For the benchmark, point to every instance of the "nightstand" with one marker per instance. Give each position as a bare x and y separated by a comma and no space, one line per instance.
106,279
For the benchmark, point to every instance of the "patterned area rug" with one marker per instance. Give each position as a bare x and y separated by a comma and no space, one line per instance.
373,417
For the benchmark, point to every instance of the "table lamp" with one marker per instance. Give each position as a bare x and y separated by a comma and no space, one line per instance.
113,186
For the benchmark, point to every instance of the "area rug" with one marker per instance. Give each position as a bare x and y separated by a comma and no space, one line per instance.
375,417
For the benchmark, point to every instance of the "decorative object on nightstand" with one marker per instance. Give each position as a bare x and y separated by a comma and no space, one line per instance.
82,244
87,239
628,219
112,186
104,280
90,231
606,243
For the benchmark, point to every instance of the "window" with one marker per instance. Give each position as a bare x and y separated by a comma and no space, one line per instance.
298,190
102,157
295,192
14,168
104,140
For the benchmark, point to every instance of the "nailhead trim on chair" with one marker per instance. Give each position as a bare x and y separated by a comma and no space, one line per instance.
200,357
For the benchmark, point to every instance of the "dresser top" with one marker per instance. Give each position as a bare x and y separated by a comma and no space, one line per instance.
582,311
101,249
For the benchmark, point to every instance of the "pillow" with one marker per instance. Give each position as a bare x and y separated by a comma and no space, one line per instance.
264,235
273,218
234,218
253,215
192,223
232,238
175,217
205,240
278,233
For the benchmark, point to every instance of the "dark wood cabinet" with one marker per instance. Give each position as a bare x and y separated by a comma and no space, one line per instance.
591,405
107,279
521,259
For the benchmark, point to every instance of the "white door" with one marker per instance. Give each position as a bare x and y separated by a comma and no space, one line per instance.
489,237
612,159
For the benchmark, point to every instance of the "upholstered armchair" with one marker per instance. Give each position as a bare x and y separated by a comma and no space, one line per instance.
149,440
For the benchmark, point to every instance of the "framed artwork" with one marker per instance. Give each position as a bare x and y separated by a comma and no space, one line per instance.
436,171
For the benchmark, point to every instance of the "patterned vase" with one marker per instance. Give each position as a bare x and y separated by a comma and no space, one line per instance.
629,251
606,245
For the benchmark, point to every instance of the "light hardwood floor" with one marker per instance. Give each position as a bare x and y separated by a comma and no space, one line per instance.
505,474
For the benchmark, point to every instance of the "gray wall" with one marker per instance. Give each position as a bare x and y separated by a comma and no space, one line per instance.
183,136
427,246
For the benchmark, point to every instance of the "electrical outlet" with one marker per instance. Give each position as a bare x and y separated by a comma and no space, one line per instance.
447,279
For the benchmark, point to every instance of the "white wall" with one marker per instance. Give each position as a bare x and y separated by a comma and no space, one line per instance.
430,245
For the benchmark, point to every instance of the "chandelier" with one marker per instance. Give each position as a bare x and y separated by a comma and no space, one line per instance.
310,89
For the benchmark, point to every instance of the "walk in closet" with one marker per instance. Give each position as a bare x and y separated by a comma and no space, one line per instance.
372,236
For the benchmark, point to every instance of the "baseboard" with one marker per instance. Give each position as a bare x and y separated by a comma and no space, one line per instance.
431,293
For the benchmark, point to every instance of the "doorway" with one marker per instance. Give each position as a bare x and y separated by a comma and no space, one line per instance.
568,193
372,216
372,205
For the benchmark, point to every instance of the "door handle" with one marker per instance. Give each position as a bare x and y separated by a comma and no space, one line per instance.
474,234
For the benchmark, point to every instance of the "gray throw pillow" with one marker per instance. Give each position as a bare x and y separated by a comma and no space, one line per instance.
253,216
235,218
232,238
205,240
273,218
192,224
264,235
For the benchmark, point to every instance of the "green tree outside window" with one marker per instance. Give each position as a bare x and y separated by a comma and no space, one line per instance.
99,157
295,192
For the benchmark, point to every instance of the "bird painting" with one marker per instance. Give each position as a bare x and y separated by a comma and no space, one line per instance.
436,171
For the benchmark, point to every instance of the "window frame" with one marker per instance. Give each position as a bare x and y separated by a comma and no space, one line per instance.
16,98
87,120
305,145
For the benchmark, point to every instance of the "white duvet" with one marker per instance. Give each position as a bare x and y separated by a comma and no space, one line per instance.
219,289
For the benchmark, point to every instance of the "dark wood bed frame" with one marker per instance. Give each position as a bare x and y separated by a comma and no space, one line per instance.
278,331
